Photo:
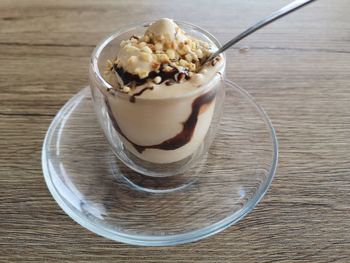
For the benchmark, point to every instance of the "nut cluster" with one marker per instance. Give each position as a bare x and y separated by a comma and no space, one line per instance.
183,53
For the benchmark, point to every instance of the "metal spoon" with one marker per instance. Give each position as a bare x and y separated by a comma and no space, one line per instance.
274,16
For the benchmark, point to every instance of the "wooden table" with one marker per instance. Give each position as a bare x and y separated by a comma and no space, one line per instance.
297,69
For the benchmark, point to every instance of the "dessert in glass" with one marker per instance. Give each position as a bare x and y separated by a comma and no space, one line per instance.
159,109
158,105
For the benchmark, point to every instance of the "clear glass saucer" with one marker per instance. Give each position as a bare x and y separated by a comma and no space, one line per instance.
100,193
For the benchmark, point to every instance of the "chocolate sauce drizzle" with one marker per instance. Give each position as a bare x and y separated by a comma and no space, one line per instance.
132,97
129,78
133,79
169,82
182,137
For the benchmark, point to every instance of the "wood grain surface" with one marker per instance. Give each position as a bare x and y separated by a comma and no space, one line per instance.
298,70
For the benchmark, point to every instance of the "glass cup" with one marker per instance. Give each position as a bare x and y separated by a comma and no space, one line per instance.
156,137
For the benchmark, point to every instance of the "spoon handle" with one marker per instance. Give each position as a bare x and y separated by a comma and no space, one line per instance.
295,5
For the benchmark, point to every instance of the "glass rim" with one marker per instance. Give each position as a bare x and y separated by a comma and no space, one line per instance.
106,40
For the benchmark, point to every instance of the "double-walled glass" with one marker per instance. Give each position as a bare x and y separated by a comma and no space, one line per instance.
156,136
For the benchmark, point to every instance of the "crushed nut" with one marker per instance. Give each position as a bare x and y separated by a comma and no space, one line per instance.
192,67
199,53
194,57
157,79
187,48
126,89
131,49
123,43
168,69
158,46
163,58
155,66
143,74
182,52
183,62
188,57
193,45
171,54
